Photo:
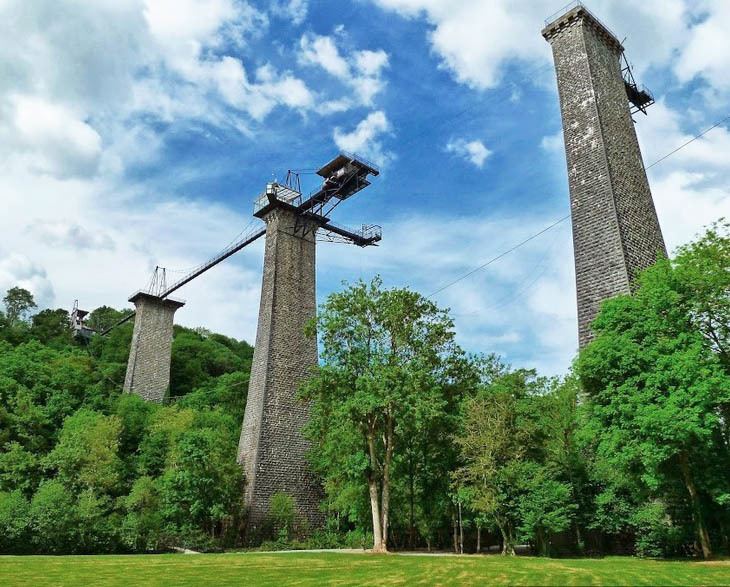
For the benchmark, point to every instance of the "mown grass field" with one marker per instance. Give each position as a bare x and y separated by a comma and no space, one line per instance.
331,568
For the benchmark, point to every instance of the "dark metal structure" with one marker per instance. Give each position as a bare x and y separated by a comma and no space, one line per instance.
344,176
640,97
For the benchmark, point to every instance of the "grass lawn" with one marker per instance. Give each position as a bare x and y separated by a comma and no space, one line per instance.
333,568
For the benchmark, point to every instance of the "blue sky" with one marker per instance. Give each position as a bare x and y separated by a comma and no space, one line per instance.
138,132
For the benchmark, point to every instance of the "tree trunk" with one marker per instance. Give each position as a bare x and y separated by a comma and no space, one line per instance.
479,539
461,532
456,538
508,543
579,539
378,541
411,496
504,540
702,533
385,496
378,545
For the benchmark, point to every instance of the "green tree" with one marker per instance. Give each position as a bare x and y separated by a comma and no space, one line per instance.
202,485
198,358
388,359
96,525
281,515
53,518
19,303
506,466
86,456
103,317
702,276
141,528
51,327
19,469
657,386
14,523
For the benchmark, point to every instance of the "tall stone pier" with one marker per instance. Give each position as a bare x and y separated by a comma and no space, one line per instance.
616,233
148,367
272,449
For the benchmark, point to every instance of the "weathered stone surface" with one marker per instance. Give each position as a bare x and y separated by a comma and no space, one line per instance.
272,449
616,233
148,367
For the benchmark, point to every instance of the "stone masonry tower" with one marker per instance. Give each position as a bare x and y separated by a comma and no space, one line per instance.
616,233
148,368
272,448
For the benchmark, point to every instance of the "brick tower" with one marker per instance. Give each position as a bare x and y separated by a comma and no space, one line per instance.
272,449
148,367
616,232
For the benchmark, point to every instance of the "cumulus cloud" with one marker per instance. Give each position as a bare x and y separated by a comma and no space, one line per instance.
53,137
70,234
17,270
364,139
360,70
689,188
476,41
473,151
706,52
86,88
294,10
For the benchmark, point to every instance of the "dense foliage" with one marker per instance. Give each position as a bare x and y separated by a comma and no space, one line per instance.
381,396
418,444
85,468
630,453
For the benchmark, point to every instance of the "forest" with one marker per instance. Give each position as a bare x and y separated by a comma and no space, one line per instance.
419,444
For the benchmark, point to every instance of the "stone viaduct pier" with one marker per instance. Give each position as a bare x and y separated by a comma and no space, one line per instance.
148,366
616,232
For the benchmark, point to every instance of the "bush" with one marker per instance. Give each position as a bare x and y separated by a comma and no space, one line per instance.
280,518
53,518
14,523
655,534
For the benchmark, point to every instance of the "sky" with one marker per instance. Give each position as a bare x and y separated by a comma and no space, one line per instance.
137,133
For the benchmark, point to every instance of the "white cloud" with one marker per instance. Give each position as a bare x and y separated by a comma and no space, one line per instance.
85,87
70,234
477,40
364,139
54,138
706,52
553,143
690,187
322,51
360,70
105,248
473,151
294,10
17,270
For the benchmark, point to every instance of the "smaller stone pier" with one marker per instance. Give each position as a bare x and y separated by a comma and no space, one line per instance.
148,368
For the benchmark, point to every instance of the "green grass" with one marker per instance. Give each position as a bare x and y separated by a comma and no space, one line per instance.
352,569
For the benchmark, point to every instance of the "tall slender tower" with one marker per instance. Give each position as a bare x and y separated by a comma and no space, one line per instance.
272,449
616,232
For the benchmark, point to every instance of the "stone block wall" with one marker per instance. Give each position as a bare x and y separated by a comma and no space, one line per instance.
272,449
148,367
616,232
